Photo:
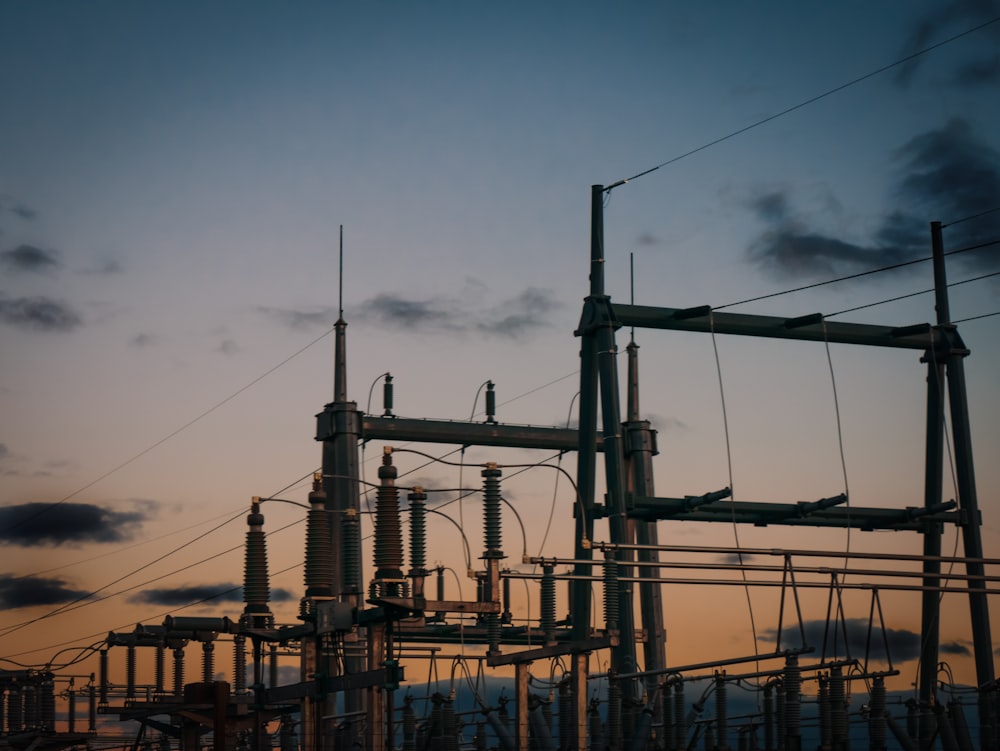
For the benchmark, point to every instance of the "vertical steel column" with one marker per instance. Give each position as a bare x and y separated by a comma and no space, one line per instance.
968,502
521,736
586,460
578,676
376,696
640,449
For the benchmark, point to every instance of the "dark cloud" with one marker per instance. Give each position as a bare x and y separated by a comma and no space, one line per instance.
222,592
512,318
228,347
4,451
142,340
947,174
956,15
29,258
39,314
300,319
38,524
26,591
647,239
982,72
954,648
24,212
396,311
170,596
903,644
520,315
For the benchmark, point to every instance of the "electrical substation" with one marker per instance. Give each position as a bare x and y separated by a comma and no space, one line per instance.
372,617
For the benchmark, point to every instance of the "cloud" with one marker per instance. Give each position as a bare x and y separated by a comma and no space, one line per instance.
39,314
947,174
228,347
903,644
512,318
647,239
393,310
30,259
185,595
520,315
954,648
38,524
142,340
931,27
982,72
27,591
301,319
4,451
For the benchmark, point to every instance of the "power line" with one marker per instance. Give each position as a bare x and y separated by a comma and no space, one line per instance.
170,435
891,267
807,102
971,217
911,294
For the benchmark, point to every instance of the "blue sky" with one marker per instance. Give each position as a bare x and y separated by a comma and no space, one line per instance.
173,176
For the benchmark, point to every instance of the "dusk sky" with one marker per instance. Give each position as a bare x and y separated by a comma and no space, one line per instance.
173,176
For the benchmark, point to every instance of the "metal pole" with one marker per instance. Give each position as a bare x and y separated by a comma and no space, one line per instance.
968,502
587,434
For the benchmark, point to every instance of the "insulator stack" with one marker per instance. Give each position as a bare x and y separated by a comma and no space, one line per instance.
160,668
3,707
207,661
449,727
793,704
722,710
594,724
838,708
92,707
876,715
436,729
614,714
957,715
779,712
492,532
409,726
319,556
680,718
610,591
709,738
256,584
565,699
825,714
480,740
493,540
491,403
350,540
30,699
418,539
547,712
104,677
179,672
70,711
667,710
387,396
47,704
130,673
272,666
769,716
548,617
388,532
15,716
240,663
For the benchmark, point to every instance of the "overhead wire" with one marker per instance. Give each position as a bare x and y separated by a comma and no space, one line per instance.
805,103
170,435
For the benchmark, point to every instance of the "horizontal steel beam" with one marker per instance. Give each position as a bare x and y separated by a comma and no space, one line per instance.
790,514
464,433
808,328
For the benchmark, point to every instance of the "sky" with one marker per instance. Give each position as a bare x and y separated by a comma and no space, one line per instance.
174,176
